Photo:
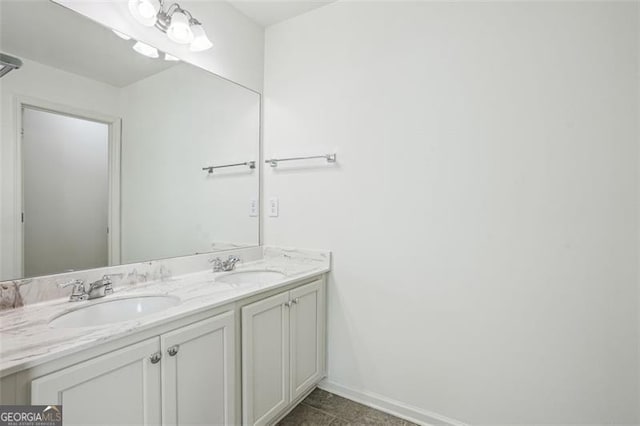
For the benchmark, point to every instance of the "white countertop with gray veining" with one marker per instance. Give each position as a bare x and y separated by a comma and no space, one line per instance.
27,339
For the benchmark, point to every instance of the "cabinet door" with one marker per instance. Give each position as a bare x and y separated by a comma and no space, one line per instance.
307,337
265,359
198,373
119,388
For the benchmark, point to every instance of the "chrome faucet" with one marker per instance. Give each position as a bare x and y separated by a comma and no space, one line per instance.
101,288
220,265
97,289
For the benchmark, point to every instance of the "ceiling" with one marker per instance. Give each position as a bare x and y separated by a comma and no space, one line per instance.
269,12
47,33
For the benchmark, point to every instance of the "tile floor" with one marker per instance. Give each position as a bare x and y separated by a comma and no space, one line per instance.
323,408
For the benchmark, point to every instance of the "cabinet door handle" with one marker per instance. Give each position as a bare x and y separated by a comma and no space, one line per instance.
173,350
296,300
156,357
288,304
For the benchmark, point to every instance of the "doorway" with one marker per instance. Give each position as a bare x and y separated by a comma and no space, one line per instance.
67,198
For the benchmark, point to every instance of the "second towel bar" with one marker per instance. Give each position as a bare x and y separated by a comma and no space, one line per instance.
331,158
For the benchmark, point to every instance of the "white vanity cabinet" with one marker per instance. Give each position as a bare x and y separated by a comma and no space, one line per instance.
121,387
181,377
283,347
245,362
198,373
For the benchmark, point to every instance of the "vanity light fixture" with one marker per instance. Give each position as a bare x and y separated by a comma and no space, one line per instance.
145,11
179,29
200,40
177,23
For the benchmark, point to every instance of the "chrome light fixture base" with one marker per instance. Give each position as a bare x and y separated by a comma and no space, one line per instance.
163,20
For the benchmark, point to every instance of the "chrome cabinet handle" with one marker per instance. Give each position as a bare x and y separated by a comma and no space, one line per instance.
291,302
156,357
173,350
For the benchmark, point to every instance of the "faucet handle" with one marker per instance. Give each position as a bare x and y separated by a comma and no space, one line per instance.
108,289
76,283
217,264
79,292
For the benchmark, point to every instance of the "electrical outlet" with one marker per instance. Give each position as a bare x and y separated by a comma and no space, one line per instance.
273,207
254,209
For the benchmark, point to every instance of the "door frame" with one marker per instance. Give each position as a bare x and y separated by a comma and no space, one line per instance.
115,139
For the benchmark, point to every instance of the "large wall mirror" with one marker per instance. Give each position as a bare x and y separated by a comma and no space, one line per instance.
103,149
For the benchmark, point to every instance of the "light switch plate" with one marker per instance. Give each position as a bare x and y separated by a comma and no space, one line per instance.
273,207
254,209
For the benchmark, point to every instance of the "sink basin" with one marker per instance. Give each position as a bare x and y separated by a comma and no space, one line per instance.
113,311
251,277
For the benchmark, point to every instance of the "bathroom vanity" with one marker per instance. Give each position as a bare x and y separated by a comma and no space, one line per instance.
110,166
227,347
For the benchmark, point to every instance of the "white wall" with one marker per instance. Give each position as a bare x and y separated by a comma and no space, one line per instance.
484,213
52,85
238,50
170,207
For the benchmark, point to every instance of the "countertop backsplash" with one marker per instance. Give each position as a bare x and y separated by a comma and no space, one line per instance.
26,291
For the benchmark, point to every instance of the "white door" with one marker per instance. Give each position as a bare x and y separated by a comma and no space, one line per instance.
265,359
119,388
65,167
198,373
307,337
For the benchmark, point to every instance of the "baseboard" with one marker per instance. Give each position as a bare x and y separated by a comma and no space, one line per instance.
390,406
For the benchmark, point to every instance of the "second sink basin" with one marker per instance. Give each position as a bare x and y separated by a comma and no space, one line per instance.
251,277
113,311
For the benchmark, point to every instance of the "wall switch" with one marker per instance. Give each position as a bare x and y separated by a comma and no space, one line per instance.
273,207
254,209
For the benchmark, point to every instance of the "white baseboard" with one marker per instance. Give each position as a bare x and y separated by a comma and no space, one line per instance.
390,406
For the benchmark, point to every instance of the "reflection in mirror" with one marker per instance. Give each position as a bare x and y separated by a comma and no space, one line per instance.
103,149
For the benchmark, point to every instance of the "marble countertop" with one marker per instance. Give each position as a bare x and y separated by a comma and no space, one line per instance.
26,339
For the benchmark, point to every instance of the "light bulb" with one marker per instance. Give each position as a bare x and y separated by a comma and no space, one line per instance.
200,40
144,11
179,29
168,57
121,35
146,50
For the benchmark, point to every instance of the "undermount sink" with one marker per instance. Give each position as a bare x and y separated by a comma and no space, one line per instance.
251,277
113,311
